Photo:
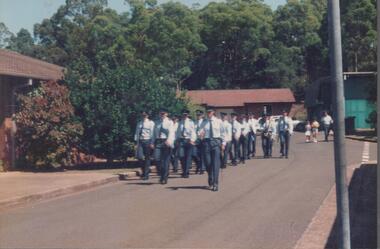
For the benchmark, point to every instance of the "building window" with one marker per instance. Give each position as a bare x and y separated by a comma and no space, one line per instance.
267,110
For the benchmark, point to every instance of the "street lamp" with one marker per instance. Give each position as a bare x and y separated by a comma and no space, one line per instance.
13,131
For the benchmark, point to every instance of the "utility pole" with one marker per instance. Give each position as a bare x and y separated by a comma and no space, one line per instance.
378,111
335,47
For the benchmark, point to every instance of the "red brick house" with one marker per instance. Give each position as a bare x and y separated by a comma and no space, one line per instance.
17,71
241,101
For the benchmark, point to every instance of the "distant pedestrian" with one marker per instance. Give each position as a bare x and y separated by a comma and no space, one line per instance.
308,131
314,130
245,129
253,124
327,122
164,135
145,143
186,136
227,137
284,130
236,132
197,149
174,158
267,136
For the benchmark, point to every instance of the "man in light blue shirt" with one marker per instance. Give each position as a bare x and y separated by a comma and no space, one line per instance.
211,131
186,136
144,139
164,135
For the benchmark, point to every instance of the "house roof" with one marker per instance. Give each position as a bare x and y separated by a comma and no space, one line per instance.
231,98
15,64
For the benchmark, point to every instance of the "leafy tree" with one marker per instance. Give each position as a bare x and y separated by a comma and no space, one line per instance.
109,106
359,35
237,34
23,43
5,35
46,130
165,37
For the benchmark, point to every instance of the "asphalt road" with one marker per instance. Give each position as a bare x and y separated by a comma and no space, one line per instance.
267,203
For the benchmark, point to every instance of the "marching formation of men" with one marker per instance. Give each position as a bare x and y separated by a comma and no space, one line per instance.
209,141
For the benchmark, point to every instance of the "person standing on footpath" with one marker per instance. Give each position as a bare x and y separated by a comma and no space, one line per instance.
186,136
197,150
227,137
212,133
285,130
327,122
164,135
145,143
236,133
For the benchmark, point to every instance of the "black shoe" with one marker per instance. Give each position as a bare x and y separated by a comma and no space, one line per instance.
202,172
215,188
175,170
286,157
145,178
186,176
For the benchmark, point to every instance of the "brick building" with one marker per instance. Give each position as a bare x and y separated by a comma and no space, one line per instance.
17,74
271,101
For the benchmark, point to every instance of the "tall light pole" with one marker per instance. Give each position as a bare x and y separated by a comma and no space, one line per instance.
335,47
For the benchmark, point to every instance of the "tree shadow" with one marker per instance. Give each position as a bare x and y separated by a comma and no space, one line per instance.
363,210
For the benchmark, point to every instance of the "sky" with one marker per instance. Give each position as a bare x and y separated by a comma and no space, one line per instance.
17,14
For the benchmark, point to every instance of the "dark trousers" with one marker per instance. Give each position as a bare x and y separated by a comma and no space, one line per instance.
144,152
174,158
226,153
164,160
251,144
199,156
211,151
327,129
186,152
244,148
236,150
284,142
266,143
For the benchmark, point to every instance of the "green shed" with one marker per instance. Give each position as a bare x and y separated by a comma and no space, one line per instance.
356,89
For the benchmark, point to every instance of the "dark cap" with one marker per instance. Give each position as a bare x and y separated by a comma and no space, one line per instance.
234,114
199,112
163,110
145,113
185,111
210,110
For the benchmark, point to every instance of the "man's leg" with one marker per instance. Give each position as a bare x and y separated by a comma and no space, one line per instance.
253,144
250,147
282,142
188,154
147,152
326,130
264,145
215,165
287,141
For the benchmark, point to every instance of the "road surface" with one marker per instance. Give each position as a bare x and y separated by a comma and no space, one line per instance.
267,203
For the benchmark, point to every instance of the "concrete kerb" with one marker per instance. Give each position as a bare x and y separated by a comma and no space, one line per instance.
363,139
55,193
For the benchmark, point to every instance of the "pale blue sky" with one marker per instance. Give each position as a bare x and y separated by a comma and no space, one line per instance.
17,14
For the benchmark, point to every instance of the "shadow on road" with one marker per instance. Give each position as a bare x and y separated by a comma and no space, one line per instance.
363,217
188,187
143,183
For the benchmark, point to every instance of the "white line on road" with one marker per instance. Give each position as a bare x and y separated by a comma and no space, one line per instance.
365,154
